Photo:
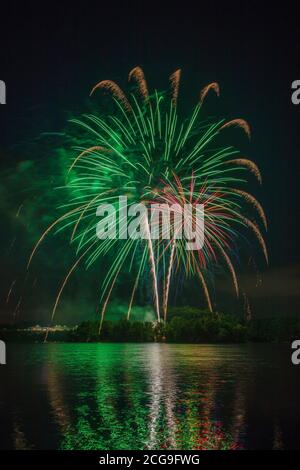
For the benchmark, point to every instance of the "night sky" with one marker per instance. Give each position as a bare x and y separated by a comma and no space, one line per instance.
51,56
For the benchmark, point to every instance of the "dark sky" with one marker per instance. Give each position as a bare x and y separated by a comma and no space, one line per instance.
51,56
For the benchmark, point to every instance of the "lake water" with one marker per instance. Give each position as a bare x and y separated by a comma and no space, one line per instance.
149,396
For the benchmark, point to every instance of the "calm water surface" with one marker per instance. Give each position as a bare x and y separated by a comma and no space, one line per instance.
149,396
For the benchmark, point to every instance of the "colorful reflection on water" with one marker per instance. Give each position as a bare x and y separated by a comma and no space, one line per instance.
148,396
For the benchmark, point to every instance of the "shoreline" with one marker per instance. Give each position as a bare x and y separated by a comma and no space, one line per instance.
183,327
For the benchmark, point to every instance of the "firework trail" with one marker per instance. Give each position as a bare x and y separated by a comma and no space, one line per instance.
153,267
175,81
138,75
10,291
168,280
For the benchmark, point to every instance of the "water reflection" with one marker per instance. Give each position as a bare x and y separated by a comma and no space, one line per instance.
147,396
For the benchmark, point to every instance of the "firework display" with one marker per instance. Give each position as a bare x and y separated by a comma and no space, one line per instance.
146,151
